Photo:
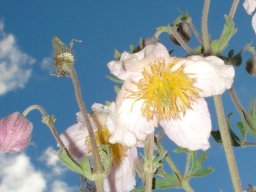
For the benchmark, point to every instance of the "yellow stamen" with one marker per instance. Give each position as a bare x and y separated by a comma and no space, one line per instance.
167,92
118,151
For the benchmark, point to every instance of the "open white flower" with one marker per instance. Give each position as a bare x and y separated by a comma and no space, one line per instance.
76,139
169,91
249,6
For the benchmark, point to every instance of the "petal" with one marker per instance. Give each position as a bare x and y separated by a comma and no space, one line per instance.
254,22
249,6
126,124
131,64
74,139
193,130
212,74
122,177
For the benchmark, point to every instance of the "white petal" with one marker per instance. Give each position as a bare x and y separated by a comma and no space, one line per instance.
132,64
212,74
74,139
254,22
249,6
122,177
127,125
193,130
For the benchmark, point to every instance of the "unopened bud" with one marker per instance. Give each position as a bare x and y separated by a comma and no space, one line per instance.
251,66
183,30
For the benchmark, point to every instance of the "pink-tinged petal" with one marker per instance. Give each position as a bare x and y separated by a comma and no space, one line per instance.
212,75
254,22
249,6
122,177
15,133
131,65
126,124
74,139
191,131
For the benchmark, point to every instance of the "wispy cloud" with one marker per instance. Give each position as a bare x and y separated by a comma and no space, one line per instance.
19,174
47,64
15,65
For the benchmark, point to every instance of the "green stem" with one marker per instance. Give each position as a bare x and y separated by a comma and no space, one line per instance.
47,120
97,164
205,34
233,8
172,165
239,107
148,167
225,136
188,163
186,186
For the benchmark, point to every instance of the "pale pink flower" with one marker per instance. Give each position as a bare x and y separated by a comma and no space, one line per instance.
15,133
167,91
76,139
249,6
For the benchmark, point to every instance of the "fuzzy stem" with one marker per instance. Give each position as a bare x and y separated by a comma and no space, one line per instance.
46,120
95,153
188,163
205,34
239,107
233,8
225,136
172,165
195,31
148,168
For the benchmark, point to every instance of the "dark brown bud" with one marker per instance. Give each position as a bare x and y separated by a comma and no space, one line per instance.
183,30
251,66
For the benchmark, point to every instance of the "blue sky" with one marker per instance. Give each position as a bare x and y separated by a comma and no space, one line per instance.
26,29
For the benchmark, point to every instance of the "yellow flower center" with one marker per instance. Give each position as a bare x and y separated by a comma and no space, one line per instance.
118,151
167,92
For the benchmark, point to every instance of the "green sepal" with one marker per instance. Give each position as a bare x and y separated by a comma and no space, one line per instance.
117,55
180,150
202,172
86,167
66,159
217,46
115,79
106,158
117,89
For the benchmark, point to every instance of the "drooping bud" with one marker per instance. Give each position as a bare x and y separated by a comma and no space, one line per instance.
251,66
15,133
183,30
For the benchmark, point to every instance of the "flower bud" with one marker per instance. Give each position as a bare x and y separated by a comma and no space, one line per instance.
183,30
251,66
15,133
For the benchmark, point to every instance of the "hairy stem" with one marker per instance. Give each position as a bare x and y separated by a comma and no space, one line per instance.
148,167
225,136
205,34
233,8
195,31
97,164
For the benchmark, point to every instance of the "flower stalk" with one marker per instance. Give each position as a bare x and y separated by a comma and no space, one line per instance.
233,8
225,136
97,164
205,34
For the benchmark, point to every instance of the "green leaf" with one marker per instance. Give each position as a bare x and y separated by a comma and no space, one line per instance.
217,46
69,162
117,54
203,172
171,182
231,53
241,129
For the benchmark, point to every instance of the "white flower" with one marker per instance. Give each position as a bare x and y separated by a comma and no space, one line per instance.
166,91
76,139
249,6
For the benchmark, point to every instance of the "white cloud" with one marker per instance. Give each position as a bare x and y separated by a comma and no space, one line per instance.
47,64
19,174
15,66
50,157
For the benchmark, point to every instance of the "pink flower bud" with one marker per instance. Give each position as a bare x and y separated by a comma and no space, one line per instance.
15,133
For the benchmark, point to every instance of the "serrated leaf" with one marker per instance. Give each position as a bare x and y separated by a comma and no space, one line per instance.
203,172
69,162
117,55
217,46
197,162
241,129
